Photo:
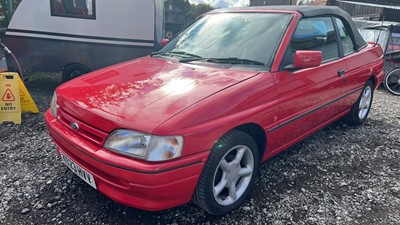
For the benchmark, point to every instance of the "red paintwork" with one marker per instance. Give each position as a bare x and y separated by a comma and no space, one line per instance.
201,103
307,59
120,96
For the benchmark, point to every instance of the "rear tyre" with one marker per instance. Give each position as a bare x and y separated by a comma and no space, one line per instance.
360,110
228,174
73,70
391,81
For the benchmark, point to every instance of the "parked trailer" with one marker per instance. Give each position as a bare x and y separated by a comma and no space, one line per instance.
78,36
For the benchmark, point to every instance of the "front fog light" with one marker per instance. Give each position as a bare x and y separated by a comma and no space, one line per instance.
53,105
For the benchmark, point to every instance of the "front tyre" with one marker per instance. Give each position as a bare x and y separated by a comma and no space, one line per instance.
391,81
360,110
228,174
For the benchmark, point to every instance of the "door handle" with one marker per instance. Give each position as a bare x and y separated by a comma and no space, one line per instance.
340,72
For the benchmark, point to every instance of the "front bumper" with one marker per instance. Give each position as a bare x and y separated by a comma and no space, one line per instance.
143,185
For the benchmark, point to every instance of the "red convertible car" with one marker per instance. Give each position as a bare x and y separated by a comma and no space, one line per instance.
194,120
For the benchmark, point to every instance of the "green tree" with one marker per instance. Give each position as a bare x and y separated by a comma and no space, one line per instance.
4,11
200,9
183,5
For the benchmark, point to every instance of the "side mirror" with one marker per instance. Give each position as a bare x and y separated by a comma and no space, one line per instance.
163,42
306,59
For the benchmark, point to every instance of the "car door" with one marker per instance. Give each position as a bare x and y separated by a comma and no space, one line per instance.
358,72
308,97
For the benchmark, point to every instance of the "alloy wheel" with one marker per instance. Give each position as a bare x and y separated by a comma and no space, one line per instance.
233,175
365,102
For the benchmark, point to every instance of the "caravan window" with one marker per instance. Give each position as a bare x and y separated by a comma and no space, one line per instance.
84,9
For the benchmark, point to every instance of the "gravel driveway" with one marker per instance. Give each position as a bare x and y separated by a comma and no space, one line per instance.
340,175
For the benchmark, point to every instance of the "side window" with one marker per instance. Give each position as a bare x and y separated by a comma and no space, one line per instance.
84,9
347,43
316,34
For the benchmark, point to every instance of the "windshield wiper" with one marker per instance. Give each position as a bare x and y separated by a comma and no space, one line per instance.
194,57
180,53
183,53
156,53
229,60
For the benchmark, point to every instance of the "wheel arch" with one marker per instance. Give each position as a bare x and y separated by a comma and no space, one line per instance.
373,79
75,64
69,69
258,134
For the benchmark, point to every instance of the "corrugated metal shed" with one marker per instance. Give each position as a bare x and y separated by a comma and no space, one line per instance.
358,8
373,5
381,2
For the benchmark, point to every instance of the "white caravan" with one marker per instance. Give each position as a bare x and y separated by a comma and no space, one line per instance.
78,36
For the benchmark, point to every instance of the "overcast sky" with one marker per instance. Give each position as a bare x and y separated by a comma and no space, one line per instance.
222,3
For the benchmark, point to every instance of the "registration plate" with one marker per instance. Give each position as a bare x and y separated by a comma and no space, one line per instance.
78,170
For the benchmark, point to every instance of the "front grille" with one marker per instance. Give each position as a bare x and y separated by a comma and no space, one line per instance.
84,130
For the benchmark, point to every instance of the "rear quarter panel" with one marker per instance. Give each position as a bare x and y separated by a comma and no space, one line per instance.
362,65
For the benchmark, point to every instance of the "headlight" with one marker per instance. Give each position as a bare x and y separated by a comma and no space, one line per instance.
144,146
53,105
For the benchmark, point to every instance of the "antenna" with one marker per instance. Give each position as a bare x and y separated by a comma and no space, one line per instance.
379,33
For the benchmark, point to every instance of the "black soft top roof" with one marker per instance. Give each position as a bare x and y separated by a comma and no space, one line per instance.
311,11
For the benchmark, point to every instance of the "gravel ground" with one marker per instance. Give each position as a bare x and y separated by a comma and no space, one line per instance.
340,175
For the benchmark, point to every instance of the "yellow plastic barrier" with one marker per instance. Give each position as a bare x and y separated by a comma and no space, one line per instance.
10,107
27,103
14,98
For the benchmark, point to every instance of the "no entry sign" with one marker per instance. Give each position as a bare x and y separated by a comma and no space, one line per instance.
14,98
10,106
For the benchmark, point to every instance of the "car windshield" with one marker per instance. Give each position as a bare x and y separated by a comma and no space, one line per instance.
237,37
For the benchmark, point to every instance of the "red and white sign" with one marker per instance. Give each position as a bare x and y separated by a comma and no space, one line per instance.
8,96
